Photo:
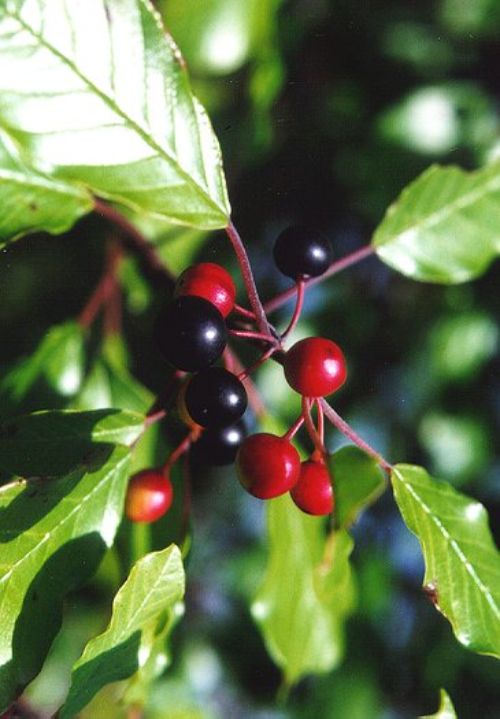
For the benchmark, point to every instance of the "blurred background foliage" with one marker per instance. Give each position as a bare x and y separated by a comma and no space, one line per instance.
325,110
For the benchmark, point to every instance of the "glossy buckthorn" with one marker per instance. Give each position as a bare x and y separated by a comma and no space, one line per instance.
315,367
267,465
313,491
215,397
219,446
149,496
191,333
302,252
210,281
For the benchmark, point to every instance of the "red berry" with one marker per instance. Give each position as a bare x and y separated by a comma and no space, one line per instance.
313,492
315,367
210,281
267,465
149,496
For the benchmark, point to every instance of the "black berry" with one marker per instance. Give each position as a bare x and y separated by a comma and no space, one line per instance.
302,252
219,446
191,333
215,398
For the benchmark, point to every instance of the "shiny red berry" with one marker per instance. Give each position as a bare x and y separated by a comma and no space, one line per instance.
313,491
267,465
210,281
315,367
149,496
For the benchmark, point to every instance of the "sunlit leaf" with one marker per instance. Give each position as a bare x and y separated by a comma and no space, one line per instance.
306,594
50,376
445,710
141,607
53,442
462,564
53,534
443,227
32,201
357,482
98,92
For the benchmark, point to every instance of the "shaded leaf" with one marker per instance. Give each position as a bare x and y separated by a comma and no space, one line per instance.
53,442
445,710
111,108
53,535
32,201
462,564
51,375
306,594
142,605
357,482
443,226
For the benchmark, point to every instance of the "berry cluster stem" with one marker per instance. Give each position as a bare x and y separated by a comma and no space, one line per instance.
248,279
348,431
299,303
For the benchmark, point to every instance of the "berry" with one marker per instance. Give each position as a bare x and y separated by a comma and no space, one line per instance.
149,496
210,281
315,367
302,252
191,333
215,398
313,492
267,465
219,446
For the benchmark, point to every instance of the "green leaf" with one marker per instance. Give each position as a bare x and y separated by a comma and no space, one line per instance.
306,594
444,225
50,443
111,108
140,609
32,201
51,375
357,480
53,535
445,710
462,564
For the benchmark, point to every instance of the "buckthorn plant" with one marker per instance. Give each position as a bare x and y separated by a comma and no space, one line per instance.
250,373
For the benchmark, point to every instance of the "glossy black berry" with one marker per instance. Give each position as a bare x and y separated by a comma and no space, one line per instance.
302,252
219,446
215,398
191,333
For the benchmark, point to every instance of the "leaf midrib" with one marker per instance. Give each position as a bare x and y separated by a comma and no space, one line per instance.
453,543
189,179
441,214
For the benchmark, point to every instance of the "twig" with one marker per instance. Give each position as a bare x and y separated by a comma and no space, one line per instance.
299,303
104,289
135,242
334,268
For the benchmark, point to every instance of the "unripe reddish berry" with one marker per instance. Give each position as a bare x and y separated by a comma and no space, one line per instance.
315,367
149,496
210,281
267,465
313,491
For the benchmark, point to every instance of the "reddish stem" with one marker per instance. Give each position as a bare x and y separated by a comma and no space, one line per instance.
294,428
334,268
254,398
321,422
348,431
244,312
179,451
299,303
134,241
311,429
248,371
154,417
247,334
248,279
104,289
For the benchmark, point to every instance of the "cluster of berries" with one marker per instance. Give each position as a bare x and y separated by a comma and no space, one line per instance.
192,335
